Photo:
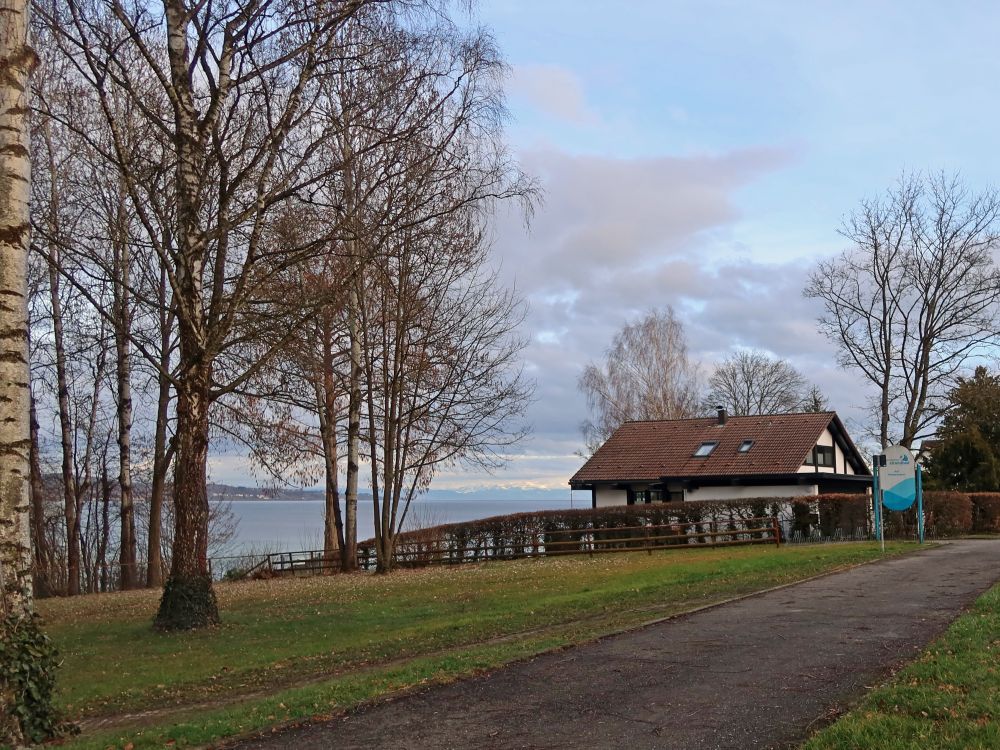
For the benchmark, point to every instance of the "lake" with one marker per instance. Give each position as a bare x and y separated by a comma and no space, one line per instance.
284,525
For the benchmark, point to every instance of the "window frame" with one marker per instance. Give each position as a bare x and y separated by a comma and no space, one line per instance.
745,446
711,445
813,458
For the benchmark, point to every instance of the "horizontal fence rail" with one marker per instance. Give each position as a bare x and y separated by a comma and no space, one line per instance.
427,547
418,549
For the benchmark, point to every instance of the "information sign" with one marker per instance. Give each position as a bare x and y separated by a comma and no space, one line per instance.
897,478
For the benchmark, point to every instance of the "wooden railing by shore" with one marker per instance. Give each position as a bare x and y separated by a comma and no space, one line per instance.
426,547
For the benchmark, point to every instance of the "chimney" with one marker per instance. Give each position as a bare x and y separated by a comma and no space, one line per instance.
722,414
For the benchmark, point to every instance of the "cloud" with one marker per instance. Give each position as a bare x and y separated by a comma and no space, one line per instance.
603,215
553,90
616,237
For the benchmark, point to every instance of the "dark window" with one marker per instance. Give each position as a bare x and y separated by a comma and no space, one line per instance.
746,445
705,449
644,497
824,456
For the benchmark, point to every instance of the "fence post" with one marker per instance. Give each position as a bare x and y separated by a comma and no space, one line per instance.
777,531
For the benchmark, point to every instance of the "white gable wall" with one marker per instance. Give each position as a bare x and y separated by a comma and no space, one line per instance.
840,463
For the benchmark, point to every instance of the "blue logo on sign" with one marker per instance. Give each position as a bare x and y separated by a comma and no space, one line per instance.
901,496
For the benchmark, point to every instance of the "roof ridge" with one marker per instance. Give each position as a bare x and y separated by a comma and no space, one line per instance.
734,416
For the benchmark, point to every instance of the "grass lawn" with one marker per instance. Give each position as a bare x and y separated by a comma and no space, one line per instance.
294,649
949,698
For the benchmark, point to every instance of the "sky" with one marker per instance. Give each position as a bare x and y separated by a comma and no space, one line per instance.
704,155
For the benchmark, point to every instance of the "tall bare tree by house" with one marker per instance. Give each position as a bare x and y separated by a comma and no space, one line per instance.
753,382
646,374
915,298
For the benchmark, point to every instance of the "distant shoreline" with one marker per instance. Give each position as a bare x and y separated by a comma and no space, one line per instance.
228,493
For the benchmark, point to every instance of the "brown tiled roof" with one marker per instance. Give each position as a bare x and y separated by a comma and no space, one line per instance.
665,448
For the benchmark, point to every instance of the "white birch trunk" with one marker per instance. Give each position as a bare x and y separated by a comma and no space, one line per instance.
16,61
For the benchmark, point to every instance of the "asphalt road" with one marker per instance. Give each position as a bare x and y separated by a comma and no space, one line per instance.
760,672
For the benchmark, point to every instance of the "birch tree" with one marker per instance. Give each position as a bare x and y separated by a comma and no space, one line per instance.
16,61
646,374
23,717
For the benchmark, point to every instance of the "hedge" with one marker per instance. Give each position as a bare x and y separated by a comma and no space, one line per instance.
833,512
985,512
945,514
825,516
523,534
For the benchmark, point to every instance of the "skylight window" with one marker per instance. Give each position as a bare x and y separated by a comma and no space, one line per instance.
705,449
745,446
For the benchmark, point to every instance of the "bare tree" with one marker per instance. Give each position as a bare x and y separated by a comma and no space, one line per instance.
815,401
915,298
442,383
753,382
55,155
646,374
234,89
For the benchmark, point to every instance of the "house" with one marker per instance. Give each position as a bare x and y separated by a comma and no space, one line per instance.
724,458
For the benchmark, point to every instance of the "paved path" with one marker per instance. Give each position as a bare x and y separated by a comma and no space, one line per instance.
753,673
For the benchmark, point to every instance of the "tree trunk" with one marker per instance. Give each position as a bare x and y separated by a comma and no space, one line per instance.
123,371
350,554
16,61
39,542
102,572
161,453
333,527
161,465
188,599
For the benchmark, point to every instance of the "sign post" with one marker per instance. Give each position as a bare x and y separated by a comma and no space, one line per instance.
877,499
897,484
920,502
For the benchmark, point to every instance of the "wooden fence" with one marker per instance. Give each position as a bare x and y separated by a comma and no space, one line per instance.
428,547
